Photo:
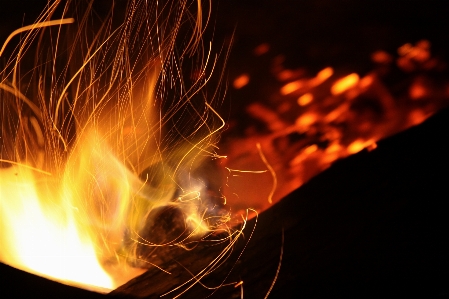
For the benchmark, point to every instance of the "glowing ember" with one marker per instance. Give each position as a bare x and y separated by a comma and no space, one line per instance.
291,87
305,99
344,84
262,49
322,76
241,81
311,121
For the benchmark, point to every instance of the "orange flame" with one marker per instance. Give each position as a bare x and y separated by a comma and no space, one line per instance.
87,163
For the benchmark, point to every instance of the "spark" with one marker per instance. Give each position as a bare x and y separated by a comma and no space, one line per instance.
272,172
34,27
278,268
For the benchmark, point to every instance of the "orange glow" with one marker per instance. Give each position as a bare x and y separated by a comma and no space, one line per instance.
366,81
413,55
423,44
421,51
371,146
241,81
343,116
405,49
405,64
421,55
360,144
417,91
286,75
306,120
417,116
336,113
356,146
305,99
322,76
381,57
291,87
344,84
262,49
310,149
325,74
334,147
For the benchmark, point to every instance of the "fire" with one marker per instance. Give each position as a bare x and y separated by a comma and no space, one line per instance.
45,240
91,155
310,121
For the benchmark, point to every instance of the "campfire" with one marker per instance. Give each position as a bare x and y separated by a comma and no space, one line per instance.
120,164
95,180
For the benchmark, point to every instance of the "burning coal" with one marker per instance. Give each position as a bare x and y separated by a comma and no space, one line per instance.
102,136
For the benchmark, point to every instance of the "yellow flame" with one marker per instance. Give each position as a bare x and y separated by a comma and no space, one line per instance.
88,167
42,240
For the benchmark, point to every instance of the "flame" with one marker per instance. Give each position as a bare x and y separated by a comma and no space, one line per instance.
45,240
73,229
90,160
